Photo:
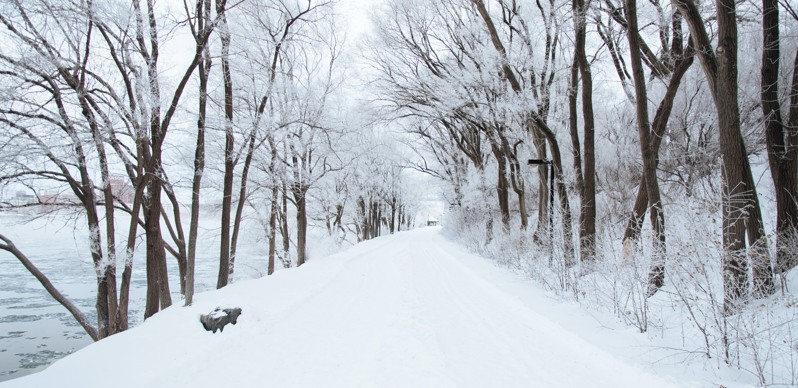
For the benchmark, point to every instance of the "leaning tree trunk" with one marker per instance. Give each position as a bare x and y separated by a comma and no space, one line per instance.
242,197
658,127
83,320
177,234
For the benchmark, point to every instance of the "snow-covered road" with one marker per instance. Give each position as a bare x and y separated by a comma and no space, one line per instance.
399,311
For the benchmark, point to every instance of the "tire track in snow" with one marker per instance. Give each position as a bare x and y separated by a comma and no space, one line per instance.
478,353
491,339
363,326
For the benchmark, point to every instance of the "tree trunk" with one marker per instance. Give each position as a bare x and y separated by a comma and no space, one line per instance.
587,217
101,303
543,189
656,277
520,191
82,319
363,222
203,18
741,211
502,189
229,158
106,269
273,209
392,224
400,218
177,234
158,296
573,125
157,278
782,141
286,259
301,222
516,180
127,274
242,198
658,128
376,215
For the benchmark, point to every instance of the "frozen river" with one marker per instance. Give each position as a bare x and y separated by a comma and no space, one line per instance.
35,330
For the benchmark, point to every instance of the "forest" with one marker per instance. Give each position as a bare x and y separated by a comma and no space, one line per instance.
637,157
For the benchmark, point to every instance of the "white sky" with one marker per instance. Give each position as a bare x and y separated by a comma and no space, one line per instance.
355,16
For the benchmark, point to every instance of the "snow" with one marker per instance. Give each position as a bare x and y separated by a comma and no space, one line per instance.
409,310
217,313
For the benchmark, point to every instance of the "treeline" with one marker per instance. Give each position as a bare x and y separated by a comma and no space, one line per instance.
486,85
657,109
239,104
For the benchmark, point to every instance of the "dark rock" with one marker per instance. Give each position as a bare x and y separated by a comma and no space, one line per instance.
219,317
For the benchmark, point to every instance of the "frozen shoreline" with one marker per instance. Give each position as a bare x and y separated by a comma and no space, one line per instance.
35,330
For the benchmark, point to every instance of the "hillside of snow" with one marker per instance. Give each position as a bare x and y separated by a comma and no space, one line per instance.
408,310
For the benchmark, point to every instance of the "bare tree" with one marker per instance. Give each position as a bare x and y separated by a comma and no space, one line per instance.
649,154
741,212
587,216
225,265
781,136
537,121
148,46
309,84
282,23
202,22
63,80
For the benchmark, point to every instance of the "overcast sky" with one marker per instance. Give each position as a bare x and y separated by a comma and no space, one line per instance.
355,16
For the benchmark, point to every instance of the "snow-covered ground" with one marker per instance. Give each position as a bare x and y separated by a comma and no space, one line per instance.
409,310
35,330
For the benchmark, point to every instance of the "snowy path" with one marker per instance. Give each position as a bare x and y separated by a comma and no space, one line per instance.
399,311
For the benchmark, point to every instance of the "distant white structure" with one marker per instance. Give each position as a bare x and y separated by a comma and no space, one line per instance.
432,221
22,198
121,188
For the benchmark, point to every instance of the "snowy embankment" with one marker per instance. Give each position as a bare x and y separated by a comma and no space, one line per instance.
409,310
